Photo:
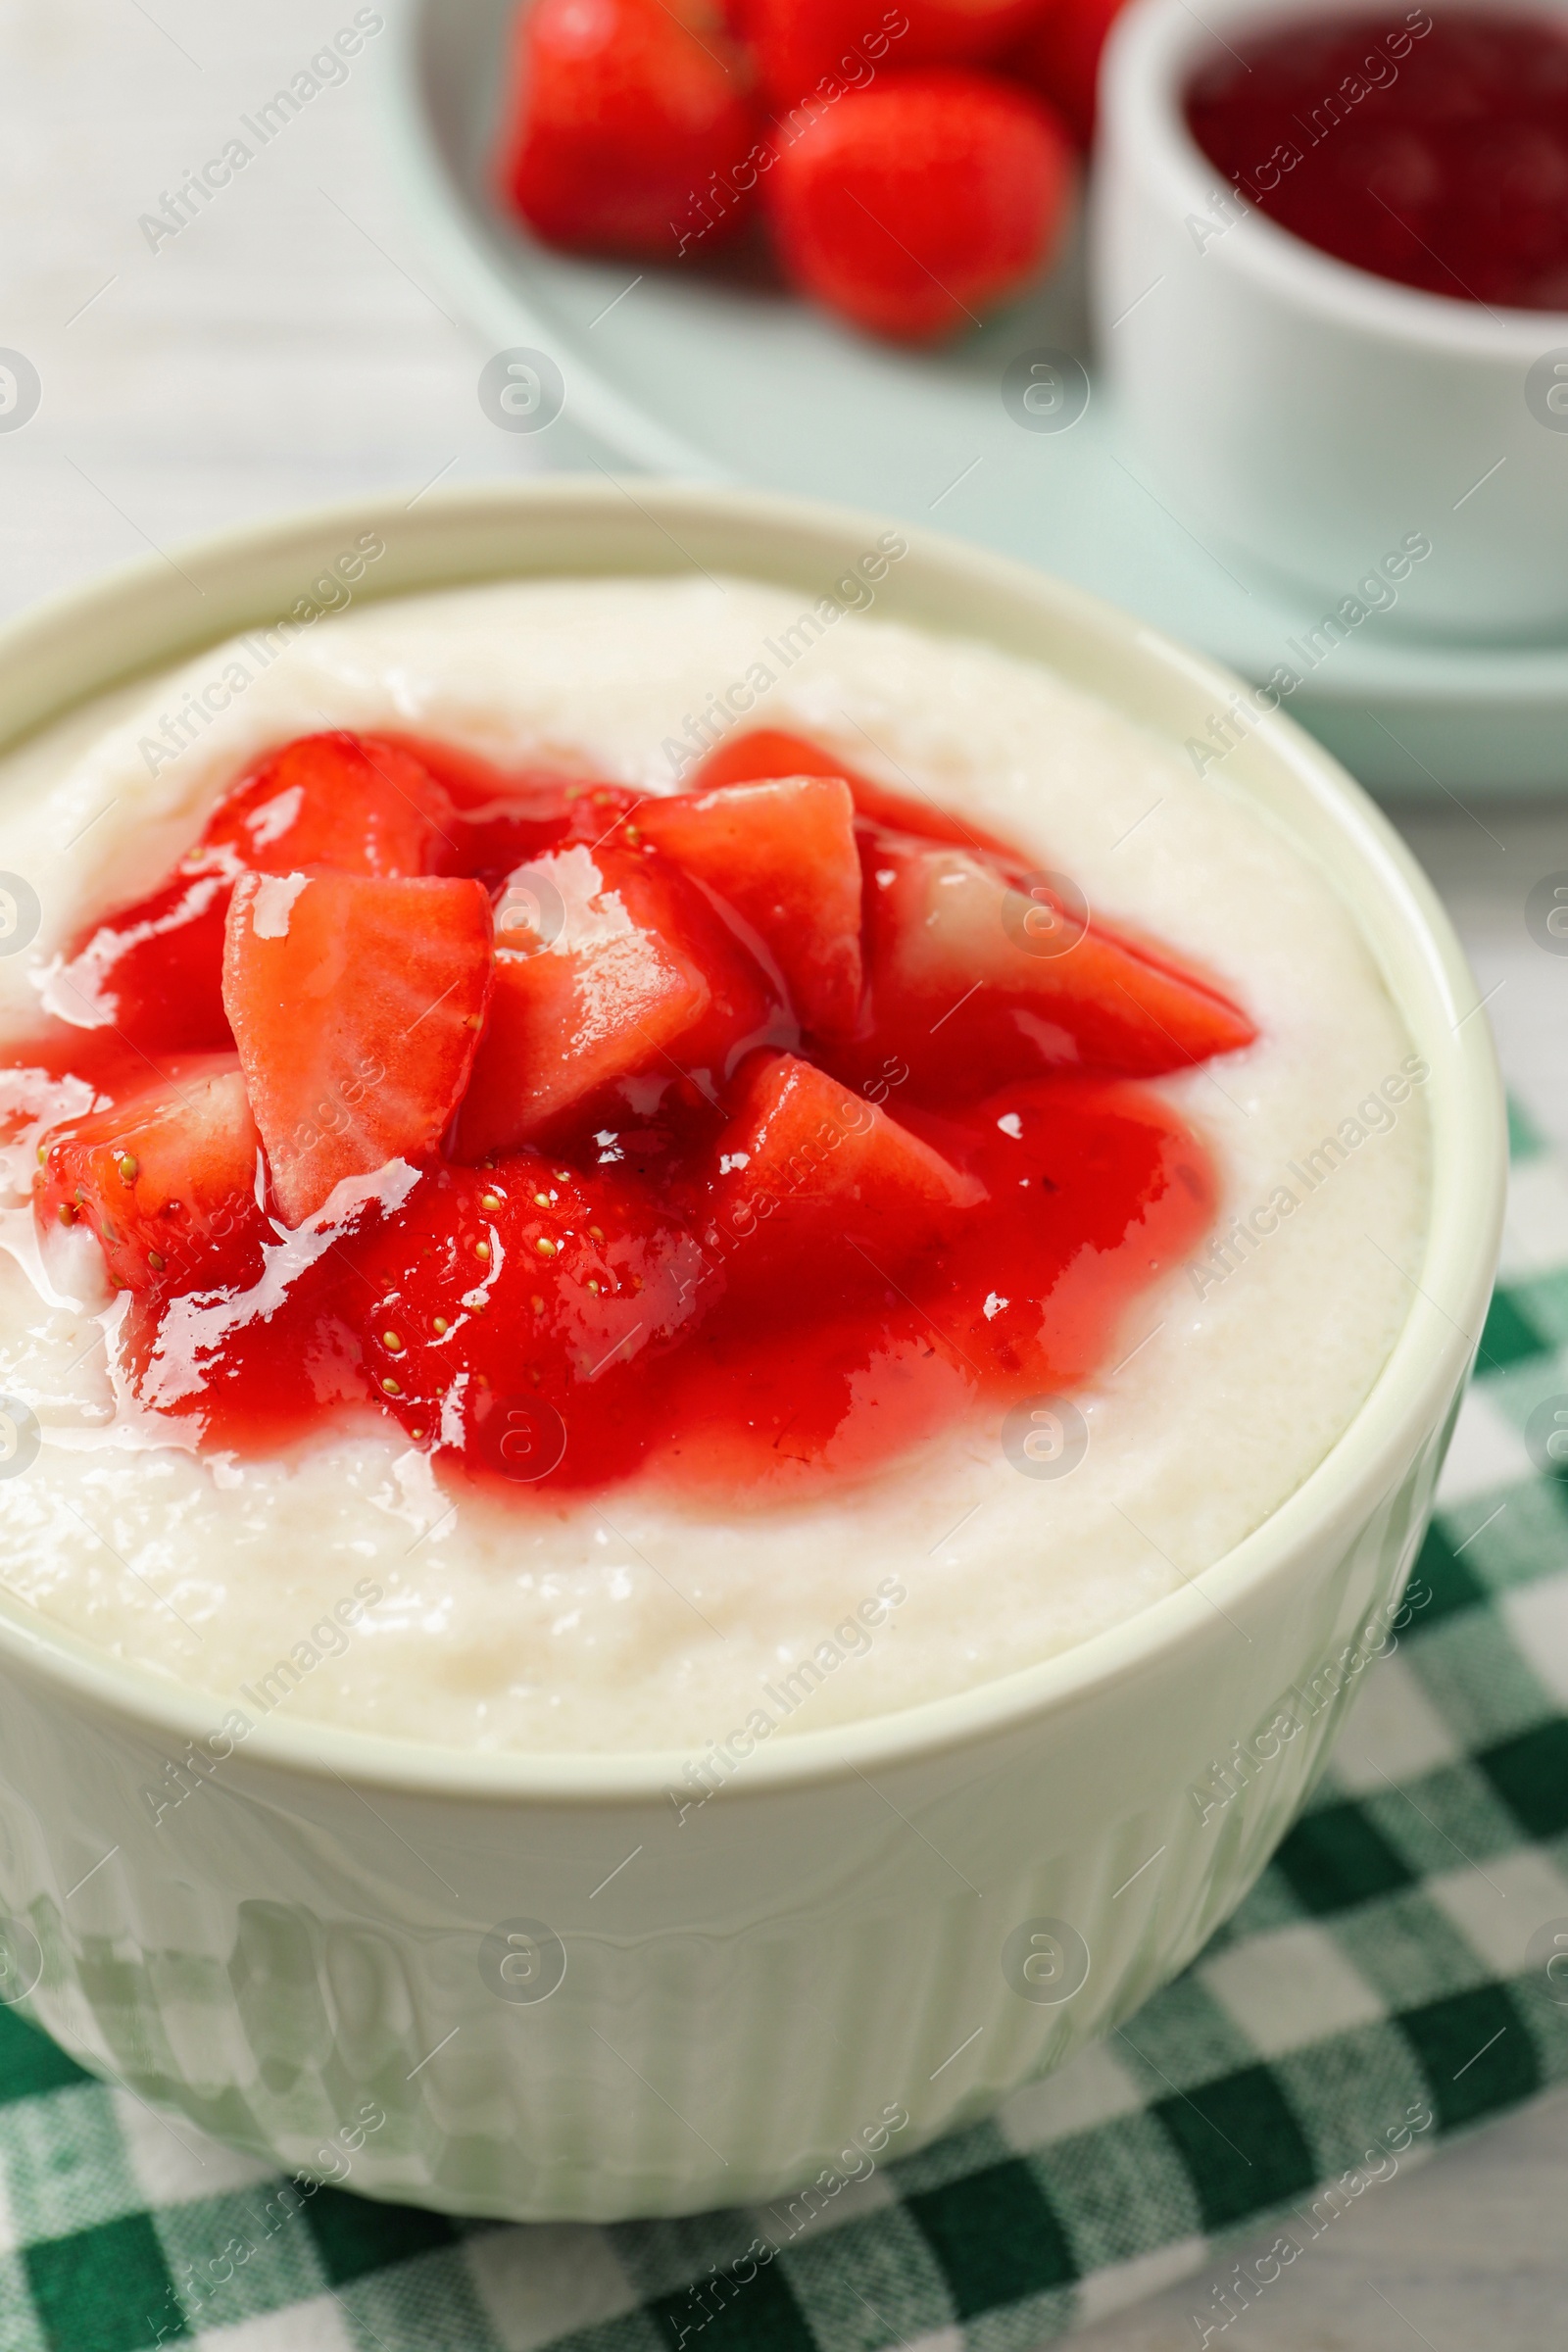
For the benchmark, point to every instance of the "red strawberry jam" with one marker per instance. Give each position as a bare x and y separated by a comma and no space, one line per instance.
744,1137
1430,149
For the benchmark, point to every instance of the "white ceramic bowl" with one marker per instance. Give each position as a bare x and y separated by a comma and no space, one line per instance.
1304,412
844,1934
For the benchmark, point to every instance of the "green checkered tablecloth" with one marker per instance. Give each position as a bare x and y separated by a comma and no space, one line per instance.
1383,1985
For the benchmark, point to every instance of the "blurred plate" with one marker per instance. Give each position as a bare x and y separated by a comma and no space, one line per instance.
718,381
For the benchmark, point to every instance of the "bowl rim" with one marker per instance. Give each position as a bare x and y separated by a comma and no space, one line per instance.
1153,47
1401,1411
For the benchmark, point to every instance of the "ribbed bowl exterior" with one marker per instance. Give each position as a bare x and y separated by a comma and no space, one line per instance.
773,1977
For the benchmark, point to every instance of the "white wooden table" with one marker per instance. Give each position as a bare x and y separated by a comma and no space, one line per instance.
290,344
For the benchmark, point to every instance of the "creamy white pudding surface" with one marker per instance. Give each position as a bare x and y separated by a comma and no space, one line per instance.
638,1625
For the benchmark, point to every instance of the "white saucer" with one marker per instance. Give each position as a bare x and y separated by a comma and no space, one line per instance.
683,377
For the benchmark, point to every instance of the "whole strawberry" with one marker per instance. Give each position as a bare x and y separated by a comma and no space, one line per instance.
1059,58
805,47
914,207
630,123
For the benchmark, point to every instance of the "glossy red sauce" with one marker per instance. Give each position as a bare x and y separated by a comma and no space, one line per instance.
635,1313
1427,148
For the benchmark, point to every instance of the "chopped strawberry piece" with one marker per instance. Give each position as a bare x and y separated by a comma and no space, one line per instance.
276,1345
1094,1188
627,120
586,997
914,207
767,752
166,1181
764,751
510,1313
1059,56
356,1006
819,48
782,856
807,1161
155,969
623,970
502,837
972,975
501,817
360,805
746,1007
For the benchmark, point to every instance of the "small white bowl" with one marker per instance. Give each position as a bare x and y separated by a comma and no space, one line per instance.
1315,417
875,1930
